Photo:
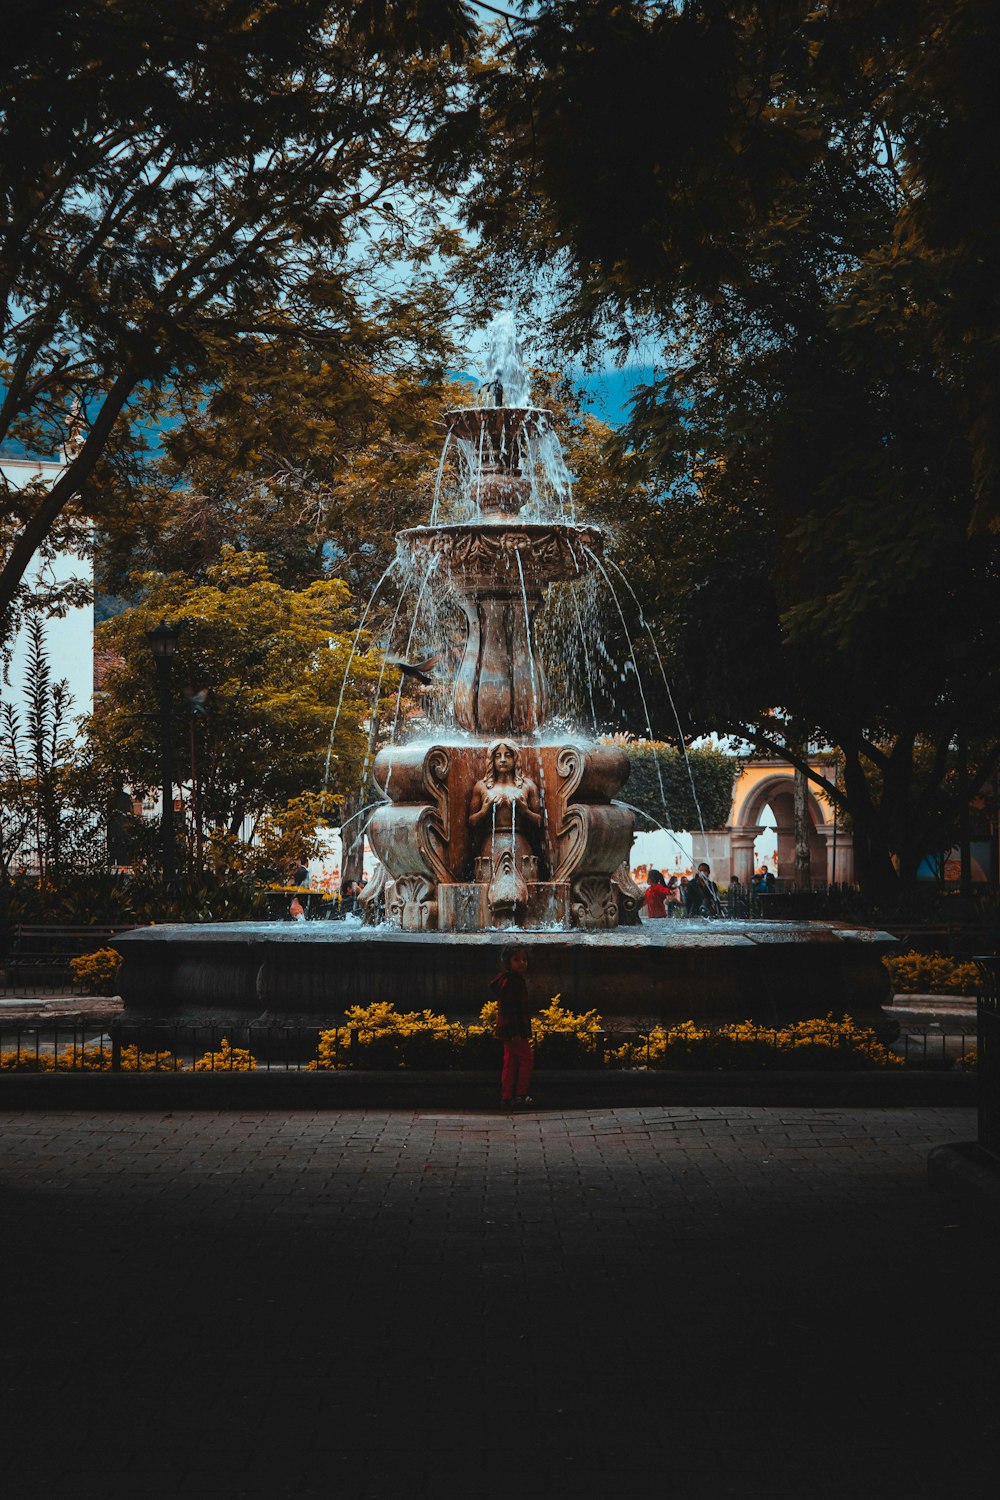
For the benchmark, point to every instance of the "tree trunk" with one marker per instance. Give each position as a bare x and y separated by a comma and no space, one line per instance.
965,820
66,487
803,872
352,838
876,874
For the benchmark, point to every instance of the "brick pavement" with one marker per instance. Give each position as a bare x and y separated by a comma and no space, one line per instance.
649,1302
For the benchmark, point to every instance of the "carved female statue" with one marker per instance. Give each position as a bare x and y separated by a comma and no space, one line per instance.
505,807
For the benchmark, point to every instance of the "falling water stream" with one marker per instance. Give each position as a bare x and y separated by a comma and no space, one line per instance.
347,673
635,666
661,826
436,503
534,681
406,655
666,683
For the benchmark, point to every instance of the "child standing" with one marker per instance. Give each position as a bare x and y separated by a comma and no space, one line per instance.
510,990
656,895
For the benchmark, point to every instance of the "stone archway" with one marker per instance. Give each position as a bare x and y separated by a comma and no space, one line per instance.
831,856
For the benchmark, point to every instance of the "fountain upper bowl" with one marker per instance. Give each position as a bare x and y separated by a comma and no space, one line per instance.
486,551
504,425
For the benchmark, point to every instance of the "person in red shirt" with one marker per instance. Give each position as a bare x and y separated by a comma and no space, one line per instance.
510,990
656,895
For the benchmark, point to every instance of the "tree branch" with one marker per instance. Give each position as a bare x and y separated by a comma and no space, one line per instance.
65,488
794,758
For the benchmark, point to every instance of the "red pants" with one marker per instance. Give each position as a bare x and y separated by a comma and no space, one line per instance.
518,1061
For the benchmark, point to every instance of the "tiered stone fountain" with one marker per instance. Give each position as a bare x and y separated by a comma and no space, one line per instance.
502,828
498,823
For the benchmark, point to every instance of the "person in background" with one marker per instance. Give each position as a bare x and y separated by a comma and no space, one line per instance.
672,900
655,895
703,894
510,991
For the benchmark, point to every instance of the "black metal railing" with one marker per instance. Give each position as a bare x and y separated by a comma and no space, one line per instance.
50,1047
933,1047
31,987
988,1050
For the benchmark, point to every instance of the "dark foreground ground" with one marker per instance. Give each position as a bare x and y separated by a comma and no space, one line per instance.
652,1302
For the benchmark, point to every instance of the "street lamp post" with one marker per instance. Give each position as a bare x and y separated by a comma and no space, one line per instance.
163,642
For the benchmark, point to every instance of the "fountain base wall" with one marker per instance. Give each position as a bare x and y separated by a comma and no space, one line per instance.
308,974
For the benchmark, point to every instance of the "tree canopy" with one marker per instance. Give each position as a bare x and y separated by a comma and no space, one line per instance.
213,180
783,201
313,460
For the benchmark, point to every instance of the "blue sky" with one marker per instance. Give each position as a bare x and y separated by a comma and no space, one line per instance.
607,392
604,392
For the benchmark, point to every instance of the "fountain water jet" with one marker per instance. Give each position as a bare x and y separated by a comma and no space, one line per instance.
498,564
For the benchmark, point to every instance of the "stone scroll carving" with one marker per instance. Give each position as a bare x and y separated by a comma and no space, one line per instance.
629,896
594,902
411,833
593,837
411,905
436,826
372,897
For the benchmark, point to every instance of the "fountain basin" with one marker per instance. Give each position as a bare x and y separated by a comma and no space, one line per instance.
285,974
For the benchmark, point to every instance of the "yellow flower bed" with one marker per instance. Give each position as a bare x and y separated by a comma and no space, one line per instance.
387,1038
378,1036
228,1059
819,1043
25,1060
134,1061
93,1059
384,1037
931,974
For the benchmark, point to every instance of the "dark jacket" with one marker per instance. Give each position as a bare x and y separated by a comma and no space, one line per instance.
513,1012
702,894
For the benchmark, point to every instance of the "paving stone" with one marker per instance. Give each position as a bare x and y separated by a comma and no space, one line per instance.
644,1302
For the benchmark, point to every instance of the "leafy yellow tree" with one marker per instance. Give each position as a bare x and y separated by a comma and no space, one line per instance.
281,454
264,710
